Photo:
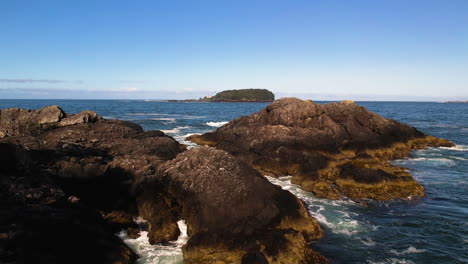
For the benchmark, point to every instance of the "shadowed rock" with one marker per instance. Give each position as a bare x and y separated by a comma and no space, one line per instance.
73,175
39,224
233,214
332,150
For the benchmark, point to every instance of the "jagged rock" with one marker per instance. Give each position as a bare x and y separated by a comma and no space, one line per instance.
23,122
109,155
41,226
233,214
332,150
66,183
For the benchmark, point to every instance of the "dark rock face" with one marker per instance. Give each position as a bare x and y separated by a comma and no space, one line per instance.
66,184
39,224
232,212
332,150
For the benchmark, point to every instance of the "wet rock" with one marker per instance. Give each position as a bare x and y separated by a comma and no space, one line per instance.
333,150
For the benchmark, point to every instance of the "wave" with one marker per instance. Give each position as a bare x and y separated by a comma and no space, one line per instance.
335,215
457,148
169,119
368,242
457,158
392,261
166,115
170,253
430,161
409,250
216,124
182,139
175,130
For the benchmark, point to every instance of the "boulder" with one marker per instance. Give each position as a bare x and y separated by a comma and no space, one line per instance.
233,214
334,150
22,122
39,224
67,182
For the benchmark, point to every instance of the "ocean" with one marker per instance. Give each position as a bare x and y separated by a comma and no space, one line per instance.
430,230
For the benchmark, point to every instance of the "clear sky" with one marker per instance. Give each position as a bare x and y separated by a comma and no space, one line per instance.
349,49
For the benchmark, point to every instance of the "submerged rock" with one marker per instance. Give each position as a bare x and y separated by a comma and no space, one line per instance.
333,150
233,214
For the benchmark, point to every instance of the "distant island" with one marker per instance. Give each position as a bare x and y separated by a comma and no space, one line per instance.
241,95
457,102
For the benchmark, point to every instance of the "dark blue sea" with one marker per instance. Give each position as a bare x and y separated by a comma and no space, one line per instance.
431,230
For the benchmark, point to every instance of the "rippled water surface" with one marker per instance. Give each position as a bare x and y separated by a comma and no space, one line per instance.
431,230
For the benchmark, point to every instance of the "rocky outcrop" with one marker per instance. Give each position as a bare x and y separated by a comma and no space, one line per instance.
39,223
22,122
333,150
233,214
75,169
70,182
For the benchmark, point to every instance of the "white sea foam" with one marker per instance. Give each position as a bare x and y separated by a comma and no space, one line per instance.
368,242
176,130
457,158
334,215
391,261
166,115
169,119
216,124
436,161
457,148
170,253
182,139
409,250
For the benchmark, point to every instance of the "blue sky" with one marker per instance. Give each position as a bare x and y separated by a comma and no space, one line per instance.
359,50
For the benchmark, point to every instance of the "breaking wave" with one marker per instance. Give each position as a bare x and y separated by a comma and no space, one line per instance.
170,253
216,124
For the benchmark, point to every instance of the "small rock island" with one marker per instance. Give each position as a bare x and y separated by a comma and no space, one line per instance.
242,95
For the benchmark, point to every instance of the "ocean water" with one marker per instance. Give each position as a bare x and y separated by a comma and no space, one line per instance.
430,230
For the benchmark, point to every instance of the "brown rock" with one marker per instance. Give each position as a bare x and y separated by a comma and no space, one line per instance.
332,150
233,214
22,122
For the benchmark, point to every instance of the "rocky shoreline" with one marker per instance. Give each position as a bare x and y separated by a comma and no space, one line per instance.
69,186
69,183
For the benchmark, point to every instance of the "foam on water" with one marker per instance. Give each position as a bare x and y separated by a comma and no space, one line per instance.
170,253
169,119
409,250
334,215
392,261
216,124
175,130
182,139
428,161
457,148
170,115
